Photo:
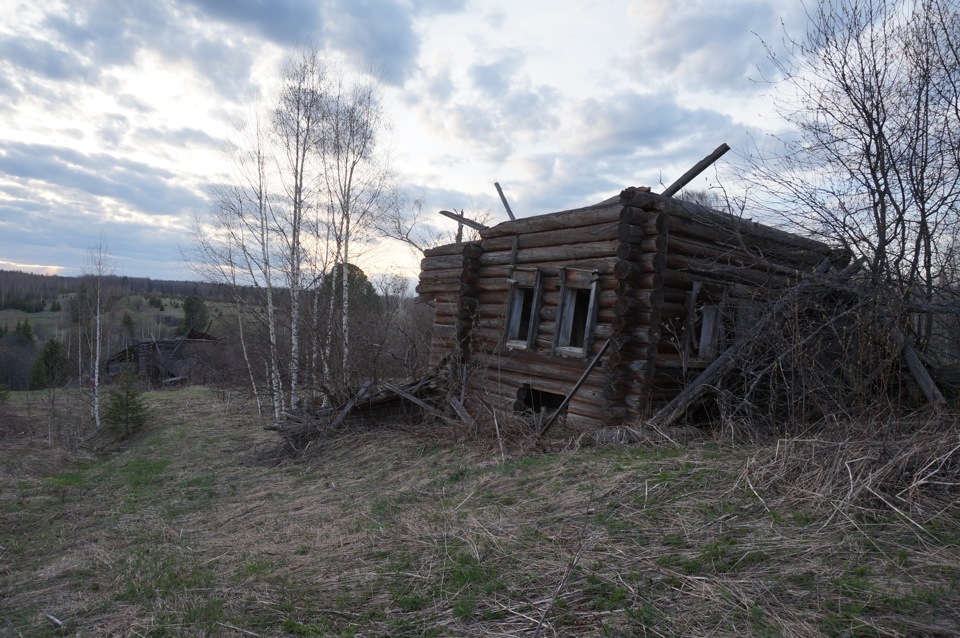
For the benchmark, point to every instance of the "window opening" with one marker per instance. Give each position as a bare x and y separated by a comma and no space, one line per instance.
576,314
575,330
523,311
520,326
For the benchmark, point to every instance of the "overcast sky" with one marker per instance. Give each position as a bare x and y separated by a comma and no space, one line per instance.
113,112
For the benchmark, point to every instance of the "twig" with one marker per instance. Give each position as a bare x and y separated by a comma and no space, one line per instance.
243,631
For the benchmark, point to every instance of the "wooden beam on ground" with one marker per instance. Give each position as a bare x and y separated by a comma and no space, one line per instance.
349,406
409,397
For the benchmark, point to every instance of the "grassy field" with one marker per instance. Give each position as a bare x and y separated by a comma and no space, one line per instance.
189,531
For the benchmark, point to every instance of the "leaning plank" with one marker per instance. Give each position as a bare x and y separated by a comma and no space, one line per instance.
668,413
460,410
573,391
350,405
915,365
409,397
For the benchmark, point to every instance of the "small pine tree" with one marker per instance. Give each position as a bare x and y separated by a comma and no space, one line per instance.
50,368
127,323
25,330
127,409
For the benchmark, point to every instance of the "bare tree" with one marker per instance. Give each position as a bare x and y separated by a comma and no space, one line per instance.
872,160
357,184
305,180
99,266
237,247
297,122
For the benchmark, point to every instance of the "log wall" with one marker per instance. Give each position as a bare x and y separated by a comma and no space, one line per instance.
656,259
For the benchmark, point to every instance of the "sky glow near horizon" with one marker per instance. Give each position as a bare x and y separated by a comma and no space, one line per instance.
113,113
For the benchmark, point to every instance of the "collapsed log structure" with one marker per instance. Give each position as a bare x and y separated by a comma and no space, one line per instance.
661,285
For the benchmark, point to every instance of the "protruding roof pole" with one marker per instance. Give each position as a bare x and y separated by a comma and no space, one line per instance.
466,221
698,168
504,200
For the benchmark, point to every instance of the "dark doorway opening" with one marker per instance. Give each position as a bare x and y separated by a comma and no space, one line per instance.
537,400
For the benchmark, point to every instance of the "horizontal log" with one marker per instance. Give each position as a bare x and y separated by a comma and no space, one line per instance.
571,235
722,272
591,215
639,301
638,215
523,367
444,275
709,217
442,262
445,250
571,253
451,287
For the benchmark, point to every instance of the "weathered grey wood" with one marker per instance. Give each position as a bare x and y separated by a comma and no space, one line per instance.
556,221
919,372
460,410
583,377
697,168
460,219
503,199
335,425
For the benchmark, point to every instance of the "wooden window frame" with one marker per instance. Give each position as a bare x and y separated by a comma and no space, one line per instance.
571,281
520,282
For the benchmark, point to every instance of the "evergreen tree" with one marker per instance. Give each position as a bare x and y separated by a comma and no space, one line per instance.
25,330
195,314
127,409
127,323
50,368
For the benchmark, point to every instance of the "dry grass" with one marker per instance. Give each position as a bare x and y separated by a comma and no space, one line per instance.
412,532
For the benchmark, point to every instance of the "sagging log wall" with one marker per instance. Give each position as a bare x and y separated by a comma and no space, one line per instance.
445,280
656,260
584,242
688,256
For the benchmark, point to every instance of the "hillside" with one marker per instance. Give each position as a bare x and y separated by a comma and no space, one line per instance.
191,530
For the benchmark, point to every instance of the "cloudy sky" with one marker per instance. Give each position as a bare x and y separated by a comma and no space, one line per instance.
114,113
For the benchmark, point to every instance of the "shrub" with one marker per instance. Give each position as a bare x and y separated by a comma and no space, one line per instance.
127,410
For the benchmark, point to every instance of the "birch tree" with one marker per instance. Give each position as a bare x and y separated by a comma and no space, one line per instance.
357,184
237,247
99,265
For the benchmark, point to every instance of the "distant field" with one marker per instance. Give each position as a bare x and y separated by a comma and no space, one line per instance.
148,320
404,532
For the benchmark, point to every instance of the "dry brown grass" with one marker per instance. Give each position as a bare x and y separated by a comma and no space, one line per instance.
415,531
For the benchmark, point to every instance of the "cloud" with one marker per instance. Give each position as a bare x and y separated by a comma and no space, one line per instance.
494,79
377,34
43,58
704,44
144,187
179,137
628,122
286,22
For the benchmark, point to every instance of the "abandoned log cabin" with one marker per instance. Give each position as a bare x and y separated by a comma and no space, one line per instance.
524,311
166,360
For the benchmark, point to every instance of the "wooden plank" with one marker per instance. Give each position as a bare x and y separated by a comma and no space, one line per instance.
561,237
576,387
549,254
695,170
460,219
597,214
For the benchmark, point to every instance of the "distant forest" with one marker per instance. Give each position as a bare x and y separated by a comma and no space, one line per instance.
31,292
